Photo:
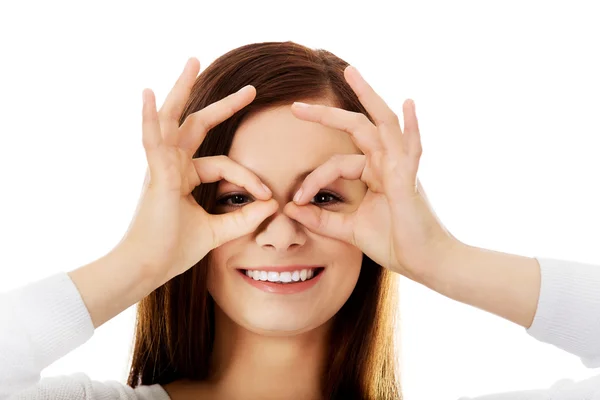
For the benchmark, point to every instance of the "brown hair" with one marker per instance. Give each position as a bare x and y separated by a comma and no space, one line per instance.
175,323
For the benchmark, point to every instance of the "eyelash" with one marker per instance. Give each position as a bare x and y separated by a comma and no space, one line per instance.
336,199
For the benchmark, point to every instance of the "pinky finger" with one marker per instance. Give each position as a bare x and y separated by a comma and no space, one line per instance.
151,134
411,129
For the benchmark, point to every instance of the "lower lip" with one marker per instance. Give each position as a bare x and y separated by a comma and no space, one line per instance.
282,288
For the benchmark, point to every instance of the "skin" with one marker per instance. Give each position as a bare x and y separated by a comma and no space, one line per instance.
394,224
284,334
169,233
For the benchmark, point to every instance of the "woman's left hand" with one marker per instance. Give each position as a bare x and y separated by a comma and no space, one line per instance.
394,225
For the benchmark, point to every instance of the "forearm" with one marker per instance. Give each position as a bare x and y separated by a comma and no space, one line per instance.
503,284
112,284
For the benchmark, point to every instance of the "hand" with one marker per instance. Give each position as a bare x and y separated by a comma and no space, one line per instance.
394,225
170,232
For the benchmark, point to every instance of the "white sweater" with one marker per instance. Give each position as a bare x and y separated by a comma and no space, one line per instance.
45,320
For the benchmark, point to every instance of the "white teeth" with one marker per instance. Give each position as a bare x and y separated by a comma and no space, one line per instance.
285,277
303,274
281,277
273,276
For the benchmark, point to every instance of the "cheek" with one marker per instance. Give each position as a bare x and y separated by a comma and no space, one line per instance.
344,274
216,270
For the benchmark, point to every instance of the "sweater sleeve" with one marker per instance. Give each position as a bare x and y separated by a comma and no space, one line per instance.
565,389
568,317
39,324
568,311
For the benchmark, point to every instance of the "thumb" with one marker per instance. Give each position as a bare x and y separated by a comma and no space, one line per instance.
327,223
241,222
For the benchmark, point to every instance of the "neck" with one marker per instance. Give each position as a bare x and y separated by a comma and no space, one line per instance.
249,365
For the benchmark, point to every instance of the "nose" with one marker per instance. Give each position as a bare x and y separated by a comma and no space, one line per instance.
280,233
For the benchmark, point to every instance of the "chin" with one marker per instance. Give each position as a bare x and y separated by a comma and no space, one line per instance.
280,324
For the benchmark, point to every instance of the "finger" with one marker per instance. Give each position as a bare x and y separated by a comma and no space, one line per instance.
171,110
412,136
362,131
346,166
229,226
216,168
151,134
195,127
323,222
373,103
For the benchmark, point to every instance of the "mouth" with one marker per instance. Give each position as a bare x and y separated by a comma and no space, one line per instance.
282,280
283,277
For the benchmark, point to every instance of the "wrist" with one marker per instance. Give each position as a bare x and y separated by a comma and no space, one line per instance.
112,283
147,272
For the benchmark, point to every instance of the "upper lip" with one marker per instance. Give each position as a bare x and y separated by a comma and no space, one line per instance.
281,268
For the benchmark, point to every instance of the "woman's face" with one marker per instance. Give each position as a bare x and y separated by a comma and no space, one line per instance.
281,150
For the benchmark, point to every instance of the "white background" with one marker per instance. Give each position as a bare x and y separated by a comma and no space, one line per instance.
507,99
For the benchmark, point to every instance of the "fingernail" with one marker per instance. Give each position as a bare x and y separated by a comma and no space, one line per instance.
301,105
244,89
266,189
298,195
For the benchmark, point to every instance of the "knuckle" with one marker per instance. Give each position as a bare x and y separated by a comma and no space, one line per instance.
335,159
393,119
198,121
390,119
150,117
360,119
221,159
230,109
419,150
201,123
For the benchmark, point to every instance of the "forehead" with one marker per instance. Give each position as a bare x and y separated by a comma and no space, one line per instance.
275,141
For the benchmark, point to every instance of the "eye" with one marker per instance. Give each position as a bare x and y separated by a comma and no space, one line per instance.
233,200
326,198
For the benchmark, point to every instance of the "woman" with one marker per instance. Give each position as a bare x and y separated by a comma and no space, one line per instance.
266,246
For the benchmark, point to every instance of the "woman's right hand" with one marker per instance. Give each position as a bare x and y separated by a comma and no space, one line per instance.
170,232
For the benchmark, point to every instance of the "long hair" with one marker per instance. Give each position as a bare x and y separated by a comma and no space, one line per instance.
175,323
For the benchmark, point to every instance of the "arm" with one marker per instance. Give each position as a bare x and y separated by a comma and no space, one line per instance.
557,301
104,296
504,284
45,320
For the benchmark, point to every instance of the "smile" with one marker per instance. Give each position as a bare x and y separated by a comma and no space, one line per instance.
283,280
283,277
